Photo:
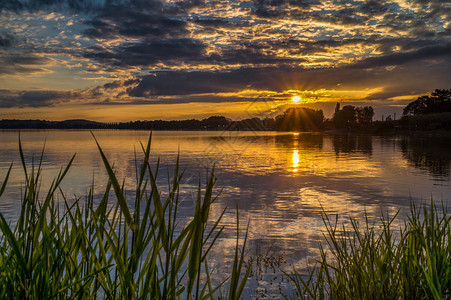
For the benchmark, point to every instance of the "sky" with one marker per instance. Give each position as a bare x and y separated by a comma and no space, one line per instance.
121,60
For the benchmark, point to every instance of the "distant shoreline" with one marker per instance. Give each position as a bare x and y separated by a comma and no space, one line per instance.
418,133
429,123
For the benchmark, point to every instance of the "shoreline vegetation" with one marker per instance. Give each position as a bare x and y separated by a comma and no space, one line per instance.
118,248
427,113
115,249
382,261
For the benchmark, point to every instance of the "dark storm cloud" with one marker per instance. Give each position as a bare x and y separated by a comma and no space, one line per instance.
375,7
385,46
150,52
356,13
409,45
11,5
116,18
161,35
265,78
184,6
279,8
219,23
249,55
446,33
135,20
34,5
24,59
120,83
158,27
6,40
406,57
206,98
17,69
197,82
130,82
419,23
301,10
183,50
342,17
295,46
9,98
434,7
101,30
414,68
112,85
21,64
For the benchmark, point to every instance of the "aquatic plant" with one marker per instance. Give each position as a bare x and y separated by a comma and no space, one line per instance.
111,250
380,262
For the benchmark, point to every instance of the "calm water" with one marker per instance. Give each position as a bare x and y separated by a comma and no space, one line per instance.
279,181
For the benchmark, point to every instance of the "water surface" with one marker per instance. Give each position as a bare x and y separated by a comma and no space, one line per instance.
279,181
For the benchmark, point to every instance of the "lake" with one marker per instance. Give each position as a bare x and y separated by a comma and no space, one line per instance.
280,182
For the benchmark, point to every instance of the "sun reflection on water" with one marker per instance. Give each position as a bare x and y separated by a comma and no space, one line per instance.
295,159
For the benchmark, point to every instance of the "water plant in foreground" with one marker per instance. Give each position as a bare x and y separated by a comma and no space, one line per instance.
110,250
380,262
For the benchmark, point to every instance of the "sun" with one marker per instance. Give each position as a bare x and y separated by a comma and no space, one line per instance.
296,99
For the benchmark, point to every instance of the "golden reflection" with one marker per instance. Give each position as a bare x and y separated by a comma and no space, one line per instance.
295,159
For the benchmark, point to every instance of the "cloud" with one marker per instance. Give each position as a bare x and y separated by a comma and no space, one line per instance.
406,57
35,5
280,8
6,40
219,23
248,84
150,52
11,64
108,93
137,20
194,82
159,51
11,98
375,7
415,72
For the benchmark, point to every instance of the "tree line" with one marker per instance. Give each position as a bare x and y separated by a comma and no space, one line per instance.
427,112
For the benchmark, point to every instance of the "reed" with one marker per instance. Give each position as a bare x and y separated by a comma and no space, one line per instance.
113,250
380,261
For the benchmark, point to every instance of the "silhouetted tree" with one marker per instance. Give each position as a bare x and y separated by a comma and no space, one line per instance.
346,117
300,119
215,122
337,107
364,115
350,116
439,101
269,123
